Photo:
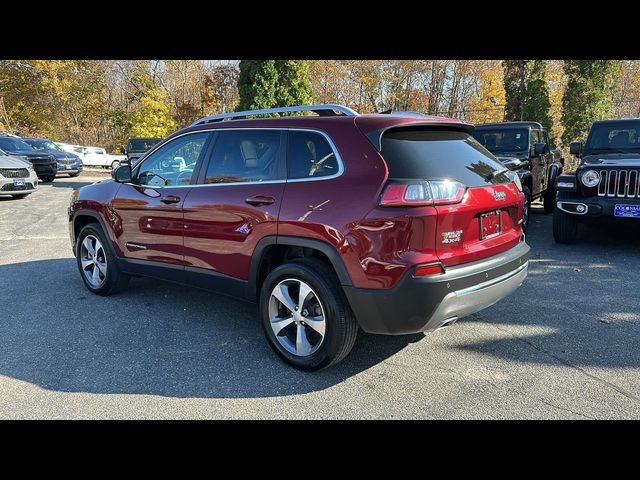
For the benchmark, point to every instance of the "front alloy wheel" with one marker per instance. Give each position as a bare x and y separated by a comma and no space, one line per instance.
94,261
297,317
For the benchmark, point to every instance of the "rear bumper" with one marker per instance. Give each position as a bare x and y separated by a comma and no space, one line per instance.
426,303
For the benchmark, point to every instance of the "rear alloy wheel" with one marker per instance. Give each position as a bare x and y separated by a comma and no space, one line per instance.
96,263
296,317
305,316
115,164
565,227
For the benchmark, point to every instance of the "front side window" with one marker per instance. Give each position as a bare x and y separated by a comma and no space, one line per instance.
309,155
244,156
535,138
173,163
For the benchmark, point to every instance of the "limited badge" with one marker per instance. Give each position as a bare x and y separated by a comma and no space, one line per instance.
451,237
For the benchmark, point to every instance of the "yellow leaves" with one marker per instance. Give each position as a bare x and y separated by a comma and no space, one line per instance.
488,104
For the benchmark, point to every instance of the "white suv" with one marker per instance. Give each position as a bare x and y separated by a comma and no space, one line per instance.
17,177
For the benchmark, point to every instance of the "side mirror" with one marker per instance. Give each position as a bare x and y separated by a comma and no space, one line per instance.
122,174
540,148
575,148
123,150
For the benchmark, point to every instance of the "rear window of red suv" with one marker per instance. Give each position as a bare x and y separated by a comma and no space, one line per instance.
414,152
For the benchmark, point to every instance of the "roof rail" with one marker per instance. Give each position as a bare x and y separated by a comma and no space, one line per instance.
322,110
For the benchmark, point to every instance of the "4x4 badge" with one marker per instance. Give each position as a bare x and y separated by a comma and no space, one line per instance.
499,195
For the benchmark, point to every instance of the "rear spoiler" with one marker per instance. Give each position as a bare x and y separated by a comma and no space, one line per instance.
375,136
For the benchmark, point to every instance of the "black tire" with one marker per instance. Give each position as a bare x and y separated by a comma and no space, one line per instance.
50,178
565,227
20,195
114,280
526,217
341,327
549,200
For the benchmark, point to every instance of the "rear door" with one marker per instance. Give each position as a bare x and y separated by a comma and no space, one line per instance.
236,201
486,220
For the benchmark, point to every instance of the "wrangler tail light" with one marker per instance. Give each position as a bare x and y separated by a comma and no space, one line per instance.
421,192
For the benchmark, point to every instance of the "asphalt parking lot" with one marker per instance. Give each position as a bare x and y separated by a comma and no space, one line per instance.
566,345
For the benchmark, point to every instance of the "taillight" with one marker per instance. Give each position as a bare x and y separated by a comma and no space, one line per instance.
421,192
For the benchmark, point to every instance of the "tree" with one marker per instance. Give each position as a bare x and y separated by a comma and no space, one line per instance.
273,83
257,84
486,104
515,86
588,95
536,96
293,86
151,118
527,92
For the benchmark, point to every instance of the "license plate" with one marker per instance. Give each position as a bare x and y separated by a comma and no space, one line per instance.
490,224
631,211
18,182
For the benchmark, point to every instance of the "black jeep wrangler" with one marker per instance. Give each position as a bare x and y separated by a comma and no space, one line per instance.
136,147
606,182
524,148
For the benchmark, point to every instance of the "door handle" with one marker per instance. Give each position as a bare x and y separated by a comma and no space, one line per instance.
258,200
170,199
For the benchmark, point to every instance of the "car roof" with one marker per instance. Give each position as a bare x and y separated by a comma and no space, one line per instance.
365,122
617,121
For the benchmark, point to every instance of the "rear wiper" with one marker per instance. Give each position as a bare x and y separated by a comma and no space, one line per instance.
494,174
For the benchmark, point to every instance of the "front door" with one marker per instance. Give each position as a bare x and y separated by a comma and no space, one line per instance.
149,209
236,202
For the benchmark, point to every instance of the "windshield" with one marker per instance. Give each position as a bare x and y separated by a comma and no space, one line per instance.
613,139
140,145
505,140
43,145
14,144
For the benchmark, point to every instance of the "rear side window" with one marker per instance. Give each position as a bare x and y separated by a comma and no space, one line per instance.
309,155
440,154
245,156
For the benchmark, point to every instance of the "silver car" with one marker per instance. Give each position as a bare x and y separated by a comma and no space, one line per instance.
17,177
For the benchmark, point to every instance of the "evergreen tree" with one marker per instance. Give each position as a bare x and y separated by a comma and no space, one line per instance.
294,87
515,84
588,96
257,84
527,93
273,83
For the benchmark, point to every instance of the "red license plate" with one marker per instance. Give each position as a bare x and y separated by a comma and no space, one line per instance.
490,224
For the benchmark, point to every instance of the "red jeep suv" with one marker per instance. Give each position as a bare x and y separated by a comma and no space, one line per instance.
394,223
